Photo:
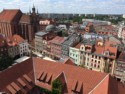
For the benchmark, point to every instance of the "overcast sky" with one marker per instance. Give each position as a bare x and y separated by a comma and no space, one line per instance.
67,6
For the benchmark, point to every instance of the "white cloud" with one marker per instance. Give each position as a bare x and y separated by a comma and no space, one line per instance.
67,6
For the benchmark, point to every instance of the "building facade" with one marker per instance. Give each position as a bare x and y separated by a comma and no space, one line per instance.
120,68
74,54
17,46
9,21
3,44
43,41
56,46
72,40
13,21
99,56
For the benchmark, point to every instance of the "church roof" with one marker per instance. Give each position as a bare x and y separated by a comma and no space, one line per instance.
25,19
8,15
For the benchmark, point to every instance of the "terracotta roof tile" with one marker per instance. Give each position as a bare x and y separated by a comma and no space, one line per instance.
25,19
48,78
74,85
43,76
15,74
69,62
21,82
58,40
39,76
8,15
79,86
15,86
27,78
11,89
71,73
78,46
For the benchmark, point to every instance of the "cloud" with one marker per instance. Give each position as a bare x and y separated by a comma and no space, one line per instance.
68,6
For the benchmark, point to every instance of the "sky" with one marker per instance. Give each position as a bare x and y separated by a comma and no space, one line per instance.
67,6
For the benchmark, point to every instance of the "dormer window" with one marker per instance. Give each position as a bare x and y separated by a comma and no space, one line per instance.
77,87
44,77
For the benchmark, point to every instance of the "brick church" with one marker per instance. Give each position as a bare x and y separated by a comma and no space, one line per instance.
13,21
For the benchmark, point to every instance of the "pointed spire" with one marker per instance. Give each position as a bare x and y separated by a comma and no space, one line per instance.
29,11
33,9
37,11
33,5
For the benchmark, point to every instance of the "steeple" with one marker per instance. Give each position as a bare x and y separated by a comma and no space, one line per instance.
37,11
29,11
33,9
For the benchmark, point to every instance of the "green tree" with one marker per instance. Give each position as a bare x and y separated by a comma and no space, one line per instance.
57,87
5,61
64,33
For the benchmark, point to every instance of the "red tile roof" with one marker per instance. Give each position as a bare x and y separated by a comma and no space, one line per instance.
14,40
77,79
106,47
14,76
57,40
8,15
71,73
69,62
78,46
25,19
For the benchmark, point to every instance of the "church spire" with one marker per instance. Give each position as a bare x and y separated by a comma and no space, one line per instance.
29,11
37,11
33,9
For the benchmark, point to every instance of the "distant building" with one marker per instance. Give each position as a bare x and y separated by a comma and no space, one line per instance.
56,46
3,44
105,30
72,40
38,41
42,41
96,22
13,21
17,46
44,23
14,46
99,56
62,27
120,68
74,54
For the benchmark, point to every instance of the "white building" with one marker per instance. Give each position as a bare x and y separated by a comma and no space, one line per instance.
23,45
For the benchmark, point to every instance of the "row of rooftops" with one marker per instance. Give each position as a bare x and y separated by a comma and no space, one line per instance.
42,72
99,48
71,39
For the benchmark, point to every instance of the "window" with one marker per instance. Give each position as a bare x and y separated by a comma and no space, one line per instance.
98,62
95,65
96,57
98,66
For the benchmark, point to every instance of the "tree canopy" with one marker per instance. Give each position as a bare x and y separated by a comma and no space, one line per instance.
5,61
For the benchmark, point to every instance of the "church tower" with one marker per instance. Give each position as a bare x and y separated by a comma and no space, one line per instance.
34,9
